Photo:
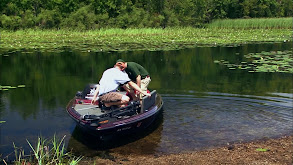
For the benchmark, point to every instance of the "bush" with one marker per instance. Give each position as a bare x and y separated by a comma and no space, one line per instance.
83,19
48,19
101,21
140,18
28,19
171,19
10,22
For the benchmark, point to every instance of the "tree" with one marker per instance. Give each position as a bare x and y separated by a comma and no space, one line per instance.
90,14
83,19
48,19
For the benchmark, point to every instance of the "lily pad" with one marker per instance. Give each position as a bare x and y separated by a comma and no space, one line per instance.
274,61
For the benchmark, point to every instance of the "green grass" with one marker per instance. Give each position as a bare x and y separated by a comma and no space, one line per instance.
150,39
42,154
257,23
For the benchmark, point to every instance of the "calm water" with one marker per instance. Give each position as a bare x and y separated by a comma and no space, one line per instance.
205,104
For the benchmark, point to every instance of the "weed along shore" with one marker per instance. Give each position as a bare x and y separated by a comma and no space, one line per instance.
150,39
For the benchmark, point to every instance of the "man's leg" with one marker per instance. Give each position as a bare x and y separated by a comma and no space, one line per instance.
144,85
114,98
130,90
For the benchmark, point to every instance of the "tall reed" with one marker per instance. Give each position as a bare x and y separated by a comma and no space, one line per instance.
255,23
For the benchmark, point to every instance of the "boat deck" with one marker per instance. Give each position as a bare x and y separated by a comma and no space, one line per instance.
88,109
84,107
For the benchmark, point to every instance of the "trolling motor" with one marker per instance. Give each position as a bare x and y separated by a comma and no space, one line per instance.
78,94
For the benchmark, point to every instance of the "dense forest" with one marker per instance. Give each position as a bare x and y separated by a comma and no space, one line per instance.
96,14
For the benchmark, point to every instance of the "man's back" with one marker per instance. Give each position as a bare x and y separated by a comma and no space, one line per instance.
111,79
134,69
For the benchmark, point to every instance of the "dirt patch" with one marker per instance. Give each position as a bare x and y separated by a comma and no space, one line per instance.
263,152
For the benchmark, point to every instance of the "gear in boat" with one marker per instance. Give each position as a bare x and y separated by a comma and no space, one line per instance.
98,120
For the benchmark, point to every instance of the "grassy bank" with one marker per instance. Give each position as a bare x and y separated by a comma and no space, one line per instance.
137,39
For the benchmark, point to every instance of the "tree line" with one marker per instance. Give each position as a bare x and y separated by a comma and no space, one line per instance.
96,14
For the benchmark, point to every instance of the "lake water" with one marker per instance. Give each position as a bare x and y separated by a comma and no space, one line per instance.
205,104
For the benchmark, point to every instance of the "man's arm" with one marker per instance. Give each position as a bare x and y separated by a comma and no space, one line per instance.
136,87
138,81
95,97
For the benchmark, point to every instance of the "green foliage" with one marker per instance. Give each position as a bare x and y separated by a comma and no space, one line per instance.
42,154
139,18
266,8
28,20
48,19
10,22
11,9
83,19
171,19
257,23
93,14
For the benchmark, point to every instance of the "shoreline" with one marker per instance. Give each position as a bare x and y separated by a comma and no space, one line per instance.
277,151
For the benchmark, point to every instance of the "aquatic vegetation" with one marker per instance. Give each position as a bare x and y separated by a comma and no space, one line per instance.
105,40
274,61
7,87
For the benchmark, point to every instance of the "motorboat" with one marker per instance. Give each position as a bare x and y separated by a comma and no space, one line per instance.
101,122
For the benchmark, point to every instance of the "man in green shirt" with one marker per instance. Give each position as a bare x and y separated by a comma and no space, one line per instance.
137,74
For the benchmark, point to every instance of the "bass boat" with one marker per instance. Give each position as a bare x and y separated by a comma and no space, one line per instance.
98,121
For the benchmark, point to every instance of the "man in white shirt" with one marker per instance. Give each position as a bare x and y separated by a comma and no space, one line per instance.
109,83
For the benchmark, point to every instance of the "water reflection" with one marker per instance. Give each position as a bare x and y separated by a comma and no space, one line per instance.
205,104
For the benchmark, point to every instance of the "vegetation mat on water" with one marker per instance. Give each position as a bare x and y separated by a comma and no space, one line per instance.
274,61
105,40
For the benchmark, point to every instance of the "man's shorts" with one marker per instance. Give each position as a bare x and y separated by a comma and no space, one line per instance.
111,97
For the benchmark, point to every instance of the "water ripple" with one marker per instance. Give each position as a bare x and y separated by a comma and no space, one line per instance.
192,122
